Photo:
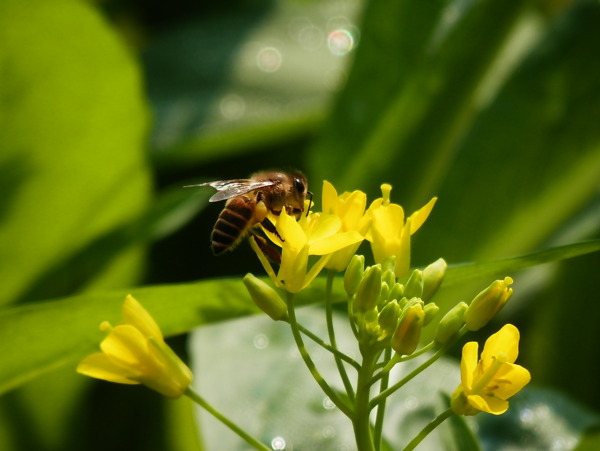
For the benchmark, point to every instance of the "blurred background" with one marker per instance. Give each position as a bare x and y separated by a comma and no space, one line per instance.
108,108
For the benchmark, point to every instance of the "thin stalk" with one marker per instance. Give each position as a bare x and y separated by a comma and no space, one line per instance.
329,348
397,359
341,404
331,333
226,421
427,429
377,432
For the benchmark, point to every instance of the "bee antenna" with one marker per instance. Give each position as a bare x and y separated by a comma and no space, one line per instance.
310,202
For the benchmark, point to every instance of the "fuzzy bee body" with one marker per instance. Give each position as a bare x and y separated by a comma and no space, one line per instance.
249,201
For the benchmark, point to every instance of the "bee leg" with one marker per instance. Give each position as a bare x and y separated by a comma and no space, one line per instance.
271,252
270,227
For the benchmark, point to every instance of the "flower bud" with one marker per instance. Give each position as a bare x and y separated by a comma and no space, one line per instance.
265,297
388,317
389,277
431,310
407,334
354,273
433,275
396,292
414,286
451,323
383,296
488,303
369,289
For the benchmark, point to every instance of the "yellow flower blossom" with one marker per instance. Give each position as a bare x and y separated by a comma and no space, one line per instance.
487,384
135,352
390,233
314,234
350,208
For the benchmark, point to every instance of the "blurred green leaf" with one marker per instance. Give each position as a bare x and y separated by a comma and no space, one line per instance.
70,170
225,84
35,338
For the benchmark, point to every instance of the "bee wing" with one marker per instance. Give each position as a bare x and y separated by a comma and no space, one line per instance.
226,189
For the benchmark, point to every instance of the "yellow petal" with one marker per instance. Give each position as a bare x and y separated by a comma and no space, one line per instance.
403,253
126,345
293,235
315,270
322,226
352,209
138,316
468,364
510,379
334,243
388,220
419,216
505,341
330,198
292,271
488,404
100,366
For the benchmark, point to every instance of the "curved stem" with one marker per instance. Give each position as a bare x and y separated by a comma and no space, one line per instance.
427,429
226,421
342,405
331,333
397,359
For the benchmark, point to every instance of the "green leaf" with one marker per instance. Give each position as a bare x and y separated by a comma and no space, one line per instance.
72,125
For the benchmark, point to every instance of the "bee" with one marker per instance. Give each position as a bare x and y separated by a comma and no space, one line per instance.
249,201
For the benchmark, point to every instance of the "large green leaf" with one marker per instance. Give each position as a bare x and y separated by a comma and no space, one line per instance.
37,337
72,126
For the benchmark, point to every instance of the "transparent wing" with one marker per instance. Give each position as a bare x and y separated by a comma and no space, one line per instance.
226,189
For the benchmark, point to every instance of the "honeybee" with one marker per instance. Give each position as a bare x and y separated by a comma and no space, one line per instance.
249,201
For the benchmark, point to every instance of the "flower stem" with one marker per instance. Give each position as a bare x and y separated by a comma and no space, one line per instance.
341,404
226,421
361,421
381,407
427,429
331,333
335,352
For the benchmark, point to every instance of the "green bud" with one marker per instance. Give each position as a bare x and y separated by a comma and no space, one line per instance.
383,296
414,286
433,275
265,297
406,337
389,277
354,273
431,310
451,323
396,292
369,289
388,317
488,303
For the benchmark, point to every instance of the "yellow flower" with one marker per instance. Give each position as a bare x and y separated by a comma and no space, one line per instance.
135,352
350,208
390,233
488,383
315,234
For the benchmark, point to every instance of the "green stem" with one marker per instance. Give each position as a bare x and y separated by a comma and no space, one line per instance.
397,359
331,333
341,404
361,421
329,348
381,407
226,421
427,429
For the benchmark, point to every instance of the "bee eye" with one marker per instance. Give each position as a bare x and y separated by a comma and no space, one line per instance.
299,185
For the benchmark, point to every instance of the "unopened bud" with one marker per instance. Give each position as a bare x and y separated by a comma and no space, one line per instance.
488,303
265,297
431,310
388,277
433,275
388,317
383,296
406,337
354,273
369,289
414,286
396,292
451,323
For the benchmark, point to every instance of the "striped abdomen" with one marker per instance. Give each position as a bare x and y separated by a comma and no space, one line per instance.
235,219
